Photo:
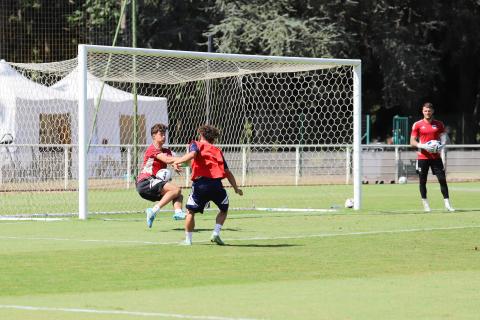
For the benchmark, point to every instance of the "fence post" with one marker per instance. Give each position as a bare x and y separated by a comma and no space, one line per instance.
297,164
244,165
397,163
187,172
129,166
348,160
65,176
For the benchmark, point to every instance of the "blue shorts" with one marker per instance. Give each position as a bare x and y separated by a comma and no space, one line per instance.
205,190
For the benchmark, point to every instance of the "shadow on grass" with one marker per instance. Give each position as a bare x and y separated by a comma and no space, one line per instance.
205,229
253,245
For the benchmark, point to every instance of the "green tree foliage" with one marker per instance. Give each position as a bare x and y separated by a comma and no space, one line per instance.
411,51
36,30
97,19
273,27
173,24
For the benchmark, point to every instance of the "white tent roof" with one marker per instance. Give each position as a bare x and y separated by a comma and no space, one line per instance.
14,84
94,87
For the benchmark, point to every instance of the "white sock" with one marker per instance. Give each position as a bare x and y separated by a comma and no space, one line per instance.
426,205
217,229
156,208
447,203
188,236
177,211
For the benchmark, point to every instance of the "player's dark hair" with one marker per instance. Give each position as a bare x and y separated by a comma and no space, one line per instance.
210,133
428,105
158,127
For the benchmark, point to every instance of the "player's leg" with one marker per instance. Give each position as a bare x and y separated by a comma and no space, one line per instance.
150,189
167,193
219,196
195,203
189,227
177,206
422,170
439,170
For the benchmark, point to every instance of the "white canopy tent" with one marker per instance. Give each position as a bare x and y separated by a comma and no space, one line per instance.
32,114
22,101
114,104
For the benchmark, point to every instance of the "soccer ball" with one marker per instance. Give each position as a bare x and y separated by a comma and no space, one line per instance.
349,203
402,180
434,144
164,175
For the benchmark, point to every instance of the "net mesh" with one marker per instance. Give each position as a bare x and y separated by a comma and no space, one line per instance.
282,124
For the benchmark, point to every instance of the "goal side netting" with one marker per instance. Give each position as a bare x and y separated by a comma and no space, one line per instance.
80,127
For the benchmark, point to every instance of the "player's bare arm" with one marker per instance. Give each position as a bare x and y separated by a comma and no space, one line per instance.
165,158
413,142
186,157
231,178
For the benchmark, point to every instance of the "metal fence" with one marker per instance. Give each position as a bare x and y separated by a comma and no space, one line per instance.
55,167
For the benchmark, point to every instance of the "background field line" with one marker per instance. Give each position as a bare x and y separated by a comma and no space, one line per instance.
360,233
303,236
117,312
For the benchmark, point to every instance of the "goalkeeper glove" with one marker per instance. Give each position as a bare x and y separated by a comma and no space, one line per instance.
426,147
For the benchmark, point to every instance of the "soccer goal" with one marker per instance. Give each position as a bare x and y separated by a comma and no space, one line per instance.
290,126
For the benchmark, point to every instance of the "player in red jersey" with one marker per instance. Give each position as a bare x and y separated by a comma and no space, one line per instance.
423,131
208,169
149,187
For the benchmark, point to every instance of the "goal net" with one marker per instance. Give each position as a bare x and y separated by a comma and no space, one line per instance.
79,128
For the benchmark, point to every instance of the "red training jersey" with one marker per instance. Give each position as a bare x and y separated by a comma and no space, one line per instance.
208,162
426,131
151,164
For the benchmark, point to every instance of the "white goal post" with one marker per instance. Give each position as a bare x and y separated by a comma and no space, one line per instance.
336,93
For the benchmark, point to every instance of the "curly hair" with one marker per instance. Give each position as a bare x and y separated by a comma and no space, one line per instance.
158,127
210,133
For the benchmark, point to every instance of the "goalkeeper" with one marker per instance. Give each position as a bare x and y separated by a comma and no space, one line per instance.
208,170
423,131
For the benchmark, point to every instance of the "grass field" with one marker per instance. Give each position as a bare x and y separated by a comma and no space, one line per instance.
388,261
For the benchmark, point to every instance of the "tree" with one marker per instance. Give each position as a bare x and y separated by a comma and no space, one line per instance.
171,24
273,27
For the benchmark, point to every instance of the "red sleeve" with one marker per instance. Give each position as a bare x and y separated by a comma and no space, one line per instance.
415,132
154,153
168,152
442,128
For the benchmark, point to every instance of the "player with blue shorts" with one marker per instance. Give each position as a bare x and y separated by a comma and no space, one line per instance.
208,169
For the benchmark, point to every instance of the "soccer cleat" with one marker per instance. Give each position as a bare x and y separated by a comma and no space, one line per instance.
216,239
450,209
426,206
186,242
448,206
150,216
179,216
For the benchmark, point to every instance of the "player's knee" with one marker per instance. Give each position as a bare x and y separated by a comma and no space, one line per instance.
180,196
177,191
174,189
